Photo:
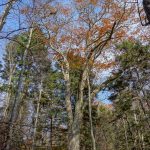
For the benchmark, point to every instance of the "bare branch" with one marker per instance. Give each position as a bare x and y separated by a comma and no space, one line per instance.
6,13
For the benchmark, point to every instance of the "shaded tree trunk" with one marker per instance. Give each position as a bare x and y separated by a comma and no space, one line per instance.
125,134
8,95
74,141
90,114
12,68
37,115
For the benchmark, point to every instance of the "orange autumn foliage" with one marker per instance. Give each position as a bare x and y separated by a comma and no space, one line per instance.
94,2
93,24
65,11
64,39
75,61
104,65
79,1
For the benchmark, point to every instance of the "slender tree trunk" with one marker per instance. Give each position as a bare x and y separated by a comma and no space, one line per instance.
125,133
51,134
6,13
139,133
143,143
12,67
14,113
8,95
141,99
16,104
90,114
37,115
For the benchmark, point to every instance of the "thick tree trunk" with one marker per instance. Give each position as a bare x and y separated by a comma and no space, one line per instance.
74,137
73,122
74,131
90,114
146,5
68,93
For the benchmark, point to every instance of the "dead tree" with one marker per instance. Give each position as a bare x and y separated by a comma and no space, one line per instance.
146,6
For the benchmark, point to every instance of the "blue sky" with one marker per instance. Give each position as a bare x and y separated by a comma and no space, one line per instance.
11,24
103,96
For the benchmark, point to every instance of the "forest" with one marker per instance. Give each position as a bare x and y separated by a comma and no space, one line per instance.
75,75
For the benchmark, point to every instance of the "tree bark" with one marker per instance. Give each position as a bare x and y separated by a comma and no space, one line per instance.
68,92
125,134
74,141
8,95
6,13
37,115
90,114
16,104
12,68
